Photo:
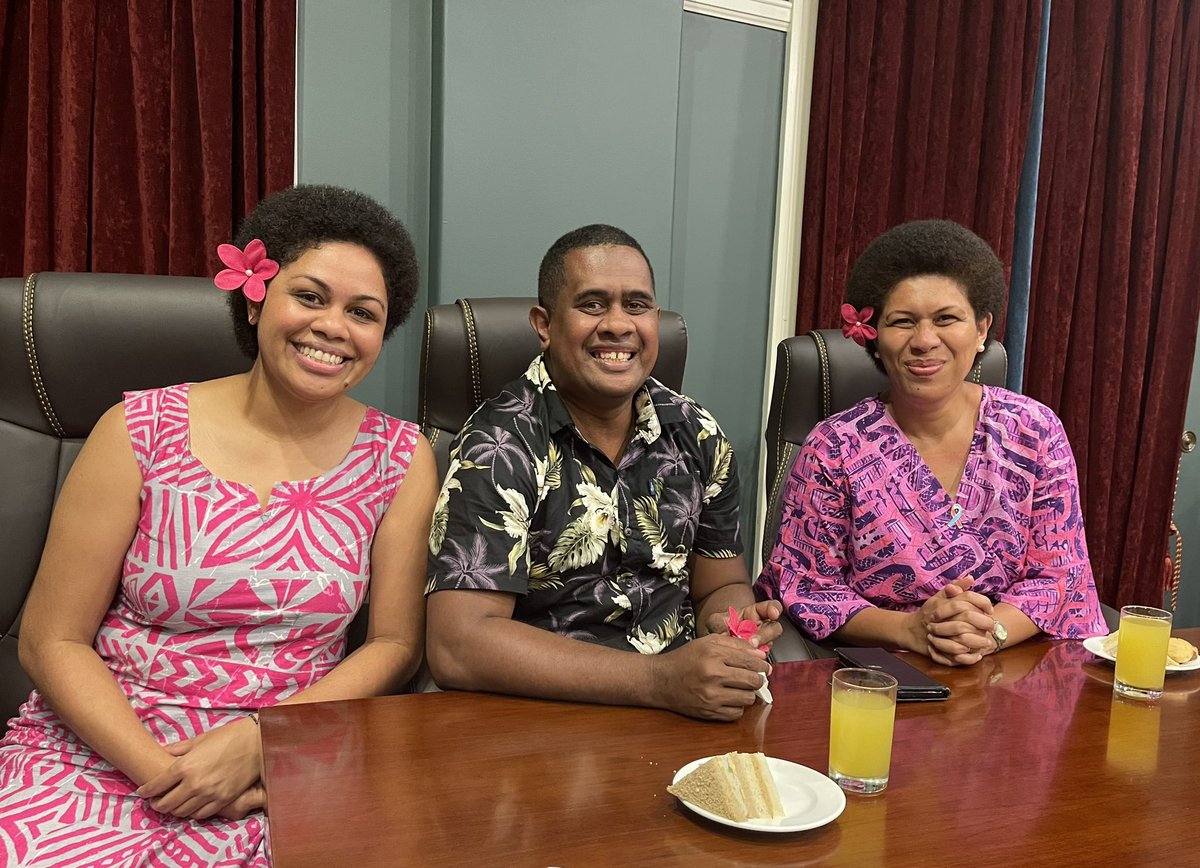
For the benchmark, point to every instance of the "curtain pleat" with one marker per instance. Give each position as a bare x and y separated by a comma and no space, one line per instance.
136,135
919,110
1113,305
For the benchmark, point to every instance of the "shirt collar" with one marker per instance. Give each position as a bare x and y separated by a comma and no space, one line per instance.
647,426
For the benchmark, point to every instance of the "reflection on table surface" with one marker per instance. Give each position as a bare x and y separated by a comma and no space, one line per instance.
1032,761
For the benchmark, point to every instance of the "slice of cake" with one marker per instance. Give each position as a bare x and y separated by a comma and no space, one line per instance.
737,786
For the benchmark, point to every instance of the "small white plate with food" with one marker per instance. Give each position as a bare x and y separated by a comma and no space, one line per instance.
1181,654
758,793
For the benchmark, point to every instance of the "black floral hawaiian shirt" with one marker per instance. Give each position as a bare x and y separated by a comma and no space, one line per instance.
592,551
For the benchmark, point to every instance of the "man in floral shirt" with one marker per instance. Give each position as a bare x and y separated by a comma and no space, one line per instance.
589,512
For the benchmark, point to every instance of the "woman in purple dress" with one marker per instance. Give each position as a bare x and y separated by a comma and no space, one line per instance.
211,546
941,516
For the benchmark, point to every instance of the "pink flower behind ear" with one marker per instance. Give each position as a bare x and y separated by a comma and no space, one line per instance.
248,269
854,324
742,629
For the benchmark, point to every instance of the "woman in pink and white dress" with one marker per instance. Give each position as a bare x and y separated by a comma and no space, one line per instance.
211,546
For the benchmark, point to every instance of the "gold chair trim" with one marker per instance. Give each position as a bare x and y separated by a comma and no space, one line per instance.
27,296
469,319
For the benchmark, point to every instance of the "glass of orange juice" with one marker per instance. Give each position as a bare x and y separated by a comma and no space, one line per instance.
1142,652
862,714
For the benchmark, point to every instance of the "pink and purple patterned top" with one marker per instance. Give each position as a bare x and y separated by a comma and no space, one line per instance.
866,523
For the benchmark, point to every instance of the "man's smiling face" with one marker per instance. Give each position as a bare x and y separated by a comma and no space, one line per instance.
601,335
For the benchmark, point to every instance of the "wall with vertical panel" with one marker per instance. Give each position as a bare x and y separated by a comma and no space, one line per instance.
727,144
363,121
492,127
552,115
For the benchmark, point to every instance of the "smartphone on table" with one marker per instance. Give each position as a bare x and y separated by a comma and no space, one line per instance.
913,685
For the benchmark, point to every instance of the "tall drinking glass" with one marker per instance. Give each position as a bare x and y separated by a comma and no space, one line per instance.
1142,652
862,715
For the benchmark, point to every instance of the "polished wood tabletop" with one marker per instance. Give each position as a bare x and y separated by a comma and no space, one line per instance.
1032,761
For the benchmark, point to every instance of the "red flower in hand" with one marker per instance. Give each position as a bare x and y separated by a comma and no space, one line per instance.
854,324
248,269
740,629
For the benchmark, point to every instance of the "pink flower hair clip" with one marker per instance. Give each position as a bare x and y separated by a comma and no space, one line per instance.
854,324
249,269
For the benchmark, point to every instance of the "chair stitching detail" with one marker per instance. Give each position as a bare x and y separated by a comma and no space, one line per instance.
31,354
787,372
425,367
826,391
469,318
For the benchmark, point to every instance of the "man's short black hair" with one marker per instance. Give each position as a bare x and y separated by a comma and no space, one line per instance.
927,247
298,219
552,275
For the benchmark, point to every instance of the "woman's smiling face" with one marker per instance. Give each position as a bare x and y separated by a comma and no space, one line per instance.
929,336
320,328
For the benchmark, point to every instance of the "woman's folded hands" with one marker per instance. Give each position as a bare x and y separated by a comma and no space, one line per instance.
956,624
217,772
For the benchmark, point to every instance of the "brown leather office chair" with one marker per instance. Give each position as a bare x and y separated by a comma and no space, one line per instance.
473,347
816,375
70,345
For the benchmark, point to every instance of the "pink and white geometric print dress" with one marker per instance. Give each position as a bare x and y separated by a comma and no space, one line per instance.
222,608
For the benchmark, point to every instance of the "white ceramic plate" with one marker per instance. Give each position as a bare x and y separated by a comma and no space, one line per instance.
1094,644
810,799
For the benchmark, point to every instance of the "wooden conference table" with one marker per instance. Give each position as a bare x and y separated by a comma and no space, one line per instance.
1030,762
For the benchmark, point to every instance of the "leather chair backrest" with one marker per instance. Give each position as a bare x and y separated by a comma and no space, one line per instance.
817,375
472,348
70,345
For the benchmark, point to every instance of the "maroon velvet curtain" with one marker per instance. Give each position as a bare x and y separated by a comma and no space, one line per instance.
1114,298
134,135
919,110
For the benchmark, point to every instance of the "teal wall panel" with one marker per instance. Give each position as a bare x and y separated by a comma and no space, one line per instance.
363,121
730,91
549,115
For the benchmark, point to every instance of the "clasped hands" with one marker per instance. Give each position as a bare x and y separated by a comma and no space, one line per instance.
714,676
216,773
954,626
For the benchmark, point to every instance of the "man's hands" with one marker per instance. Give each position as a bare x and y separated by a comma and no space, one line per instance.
765,615
217,772
954,626
713,677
